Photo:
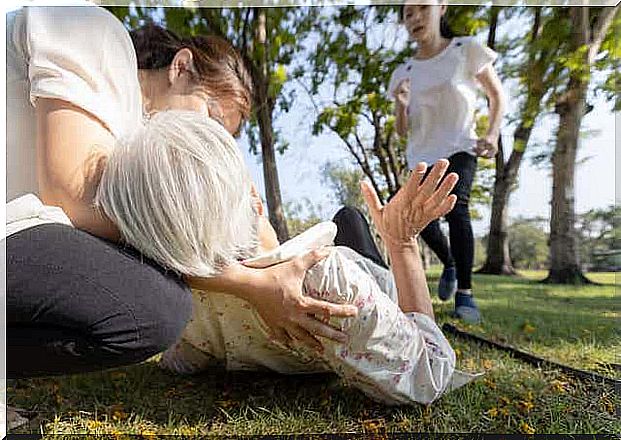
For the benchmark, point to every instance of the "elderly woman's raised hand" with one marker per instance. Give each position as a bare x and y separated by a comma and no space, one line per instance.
417,203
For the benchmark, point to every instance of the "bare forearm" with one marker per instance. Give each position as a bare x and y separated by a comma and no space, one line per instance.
496,112
236,279
72,147
495,96
410,279
401,119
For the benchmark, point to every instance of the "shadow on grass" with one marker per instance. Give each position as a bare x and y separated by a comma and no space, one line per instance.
205,399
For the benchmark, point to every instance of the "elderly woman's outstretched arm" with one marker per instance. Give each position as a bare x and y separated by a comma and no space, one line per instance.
399,223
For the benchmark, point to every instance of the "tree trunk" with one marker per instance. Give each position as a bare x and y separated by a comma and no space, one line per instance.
265,107
498,260
270,170
564,261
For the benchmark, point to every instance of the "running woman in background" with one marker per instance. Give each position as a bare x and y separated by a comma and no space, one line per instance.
435,92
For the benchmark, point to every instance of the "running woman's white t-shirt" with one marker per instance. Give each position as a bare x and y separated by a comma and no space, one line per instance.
79,54
443,92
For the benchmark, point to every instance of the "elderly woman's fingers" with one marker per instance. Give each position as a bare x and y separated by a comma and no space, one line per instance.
443,190
429,185
304,337
372,201
318,328
281,337
446,206
415,179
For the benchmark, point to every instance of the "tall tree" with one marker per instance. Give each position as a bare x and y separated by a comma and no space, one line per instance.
268,39
350,72
588,29
537,73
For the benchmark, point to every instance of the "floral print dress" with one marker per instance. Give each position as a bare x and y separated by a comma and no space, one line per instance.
393,357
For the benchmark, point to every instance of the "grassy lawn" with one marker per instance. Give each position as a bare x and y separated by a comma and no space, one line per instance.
574,326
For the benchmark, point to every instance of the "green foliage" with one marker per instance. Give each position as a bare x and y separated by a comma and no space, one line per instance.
598,230
277,81
609,60
344,184
528,244
302,215
467,19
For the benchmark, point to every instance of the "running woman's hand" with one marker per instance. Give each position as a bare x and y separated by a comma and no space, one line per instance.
402,93
487,146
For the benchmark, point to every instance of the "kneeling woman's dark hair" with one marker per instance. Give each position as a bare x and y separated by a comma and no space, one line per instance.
219,66
445,28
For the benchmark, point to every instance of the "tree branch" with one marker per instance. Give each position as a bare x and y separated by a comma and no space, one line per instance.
244,42
604,20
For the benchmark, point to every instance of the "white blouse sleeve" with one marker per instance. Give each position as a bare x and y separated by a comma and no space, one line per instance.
478,56
83,55
398,75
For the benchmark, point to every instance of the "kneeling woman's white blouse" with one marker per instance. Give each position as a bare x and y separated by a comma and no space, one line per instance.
79,54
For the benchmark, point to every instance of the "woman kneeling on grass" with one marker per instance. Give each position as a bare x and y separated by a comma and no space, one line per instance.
180,192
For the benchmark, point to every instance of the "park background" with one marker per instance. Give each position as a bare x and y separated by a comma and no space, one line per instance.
323,71
297,148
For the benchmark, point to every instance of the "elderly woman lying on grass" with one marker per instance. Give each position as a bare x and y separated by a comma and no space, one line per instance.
184,177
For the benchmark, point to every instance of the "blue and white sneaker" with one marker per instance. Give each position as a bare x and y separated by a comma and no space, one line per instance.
466,309
448,283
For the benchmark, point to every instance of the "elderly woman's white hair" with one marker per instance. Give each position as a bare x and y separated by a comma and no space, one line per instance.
179,192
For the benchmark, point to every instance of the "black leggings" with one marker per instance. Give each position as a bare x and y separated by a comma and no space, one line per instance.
76,303
353,231
460,253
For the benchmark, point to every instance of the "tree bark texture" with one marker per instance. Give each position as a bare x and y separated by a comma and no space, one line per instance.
264,105
564,258
497,259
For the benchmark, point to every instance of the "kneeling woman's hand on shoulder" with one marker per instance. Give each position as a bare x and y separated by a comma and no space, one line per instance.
276,293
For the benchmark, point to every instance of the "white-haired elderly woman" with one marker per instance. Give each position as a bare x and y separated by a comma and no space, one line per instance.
180,192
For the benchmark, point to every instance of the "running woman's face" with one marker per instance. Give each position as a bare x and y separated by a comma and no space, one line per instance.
422,21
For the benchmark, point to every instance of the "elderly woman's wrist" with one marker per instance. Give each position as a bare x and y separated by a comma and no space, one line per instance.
404,246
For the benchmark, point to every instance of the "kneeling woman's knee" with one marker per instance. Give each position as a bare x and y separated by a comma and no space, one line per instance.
162,320
145,320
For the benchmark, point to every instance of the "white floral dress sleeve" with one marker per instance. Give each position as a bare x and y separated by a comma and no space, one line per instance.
394,357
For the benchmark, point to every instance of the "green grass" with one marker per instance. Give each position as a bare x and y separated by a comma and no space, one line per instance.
574,326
